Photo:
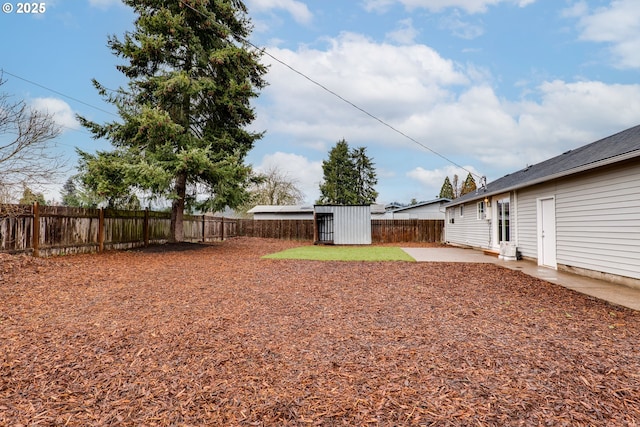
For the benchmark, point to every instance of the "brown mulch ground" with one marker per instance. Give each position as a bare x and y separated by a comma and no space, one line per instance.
193,335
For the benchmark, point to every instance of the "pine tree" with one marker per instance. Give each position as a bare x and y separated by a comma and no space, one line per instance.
469,185
446,191
365,175
349,177
187,106
339,183
70,195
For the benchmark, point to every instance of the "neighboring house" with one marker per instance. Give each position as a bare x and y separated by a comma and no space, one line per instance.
433,209
266,212
378,211
392,206
579,211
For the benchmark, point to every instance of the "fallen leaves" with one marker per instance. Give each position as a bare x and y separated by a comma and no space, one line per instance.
214,335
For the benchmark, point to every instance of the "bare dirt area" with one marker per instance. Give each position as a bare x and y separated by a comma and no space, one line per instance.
197,335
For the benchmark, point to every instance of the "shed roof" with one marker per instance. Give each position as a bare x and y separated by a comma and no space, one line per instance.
612,149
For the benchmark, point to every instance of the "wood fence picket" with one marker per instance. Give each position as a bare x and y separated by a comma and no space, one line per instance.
56,230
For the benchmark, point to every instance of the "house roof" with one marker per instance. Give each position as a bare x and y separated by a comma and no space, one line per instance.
418,205
612,149
281,209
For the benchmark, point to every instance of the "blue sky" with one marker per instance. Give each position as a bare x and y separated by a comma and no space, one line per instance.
492,85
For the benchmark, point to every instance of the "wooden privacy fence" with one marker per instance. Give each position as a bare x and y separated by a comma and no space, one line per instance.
382,230
56,230
407,230
288,229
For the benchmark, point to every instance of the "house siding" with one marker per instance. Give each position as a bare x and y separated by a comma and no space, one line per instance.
467,230
280,216
597,220
527,223
434,211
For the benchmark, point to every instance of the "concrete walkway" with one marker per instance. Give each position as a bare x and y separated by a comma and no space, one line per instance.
611,292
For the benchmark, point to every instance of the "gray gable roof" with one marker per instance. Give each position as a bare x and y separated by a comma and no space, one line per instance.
621,146
421,204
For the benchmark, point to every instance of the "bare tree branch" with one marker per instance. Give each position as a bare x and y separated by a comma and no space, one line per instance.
25,145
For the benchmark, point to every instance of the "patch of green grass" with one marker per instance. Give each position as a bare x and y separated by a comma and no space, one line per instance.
344,253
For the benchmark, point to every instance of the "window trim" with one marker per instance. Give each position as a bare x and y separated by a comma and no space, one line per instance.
504,219
481,210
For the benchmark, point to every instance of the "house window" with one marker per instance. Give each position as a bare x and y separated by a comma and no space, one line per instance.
481,210
504,234
461,210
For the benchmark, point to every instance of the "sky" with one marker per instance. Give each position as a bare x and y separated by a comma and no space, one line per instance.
431,88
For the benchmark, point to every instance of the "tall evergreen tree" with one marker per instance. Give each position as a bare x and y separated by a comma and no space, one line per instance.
447,189
70,195
339,180
187,106
349,177
365,175
469,185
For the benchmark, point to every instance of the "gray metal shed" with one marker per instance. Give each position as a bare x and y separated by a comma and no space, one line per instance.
342,224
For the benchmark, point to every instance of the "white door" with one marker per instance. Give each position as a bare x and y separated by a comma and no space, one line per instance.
547,233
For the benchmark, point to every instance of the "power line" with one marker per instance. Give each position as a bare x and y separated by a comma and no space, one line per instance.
352,104
300,73
3,71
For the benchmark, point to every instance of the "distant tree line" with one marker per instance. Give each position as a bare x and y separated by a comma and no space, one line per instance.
453,190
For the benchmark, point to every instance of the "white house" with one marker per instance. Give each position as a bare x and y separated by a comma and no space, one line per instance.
579,211
433,209
266,212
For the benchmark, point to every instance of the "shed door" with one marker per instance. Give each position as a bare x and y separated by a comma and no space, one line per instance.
324,224
547,232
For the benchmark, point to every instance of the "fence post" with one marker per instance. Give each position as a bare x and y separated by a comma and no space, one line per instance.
101,230
145,227
204,229
36,230
222,229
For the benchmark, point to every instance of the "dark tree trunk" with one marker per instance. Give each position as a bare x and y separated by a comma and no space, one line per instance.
177,209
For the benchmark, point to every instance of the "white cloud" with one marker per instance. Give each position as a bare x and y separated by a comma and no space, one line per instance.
576,10
469,6
450,108
431,181
617,25
62,113
460,28
389,81
306,174
377,5
406,34
298,10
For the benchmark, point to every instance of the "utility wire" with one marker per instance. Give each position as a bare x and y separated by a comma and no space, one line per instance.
3,71
300,73
352,104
